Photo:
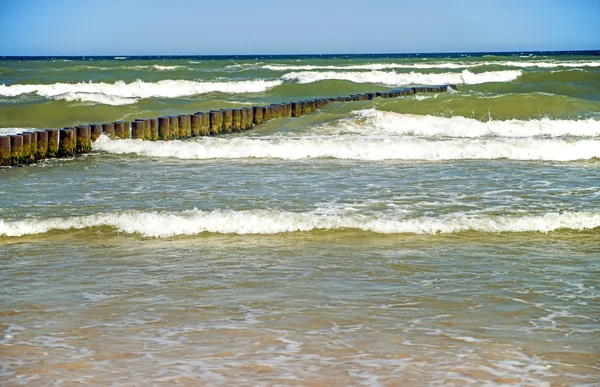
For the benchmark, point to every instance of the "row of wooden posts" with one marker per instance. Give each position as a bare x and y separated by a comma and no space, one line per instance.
29,147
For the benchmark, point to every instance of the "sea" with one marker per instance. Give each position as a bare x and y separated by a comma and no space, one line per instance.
437,239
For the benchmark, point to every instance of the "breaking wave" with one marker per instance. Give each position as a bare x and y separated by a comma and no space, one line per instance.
353,147
413,78
193,222
438,65
124,93
372,121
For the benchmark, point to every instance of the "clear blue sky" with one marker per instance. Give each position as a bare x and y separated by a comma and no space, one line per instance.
203,27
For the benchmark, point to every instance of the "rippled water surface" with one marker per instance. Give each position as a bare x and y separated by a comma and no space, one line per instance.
436,239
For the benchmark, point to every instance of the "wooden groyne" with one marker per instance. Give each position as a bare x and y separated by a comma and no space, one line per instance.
29,147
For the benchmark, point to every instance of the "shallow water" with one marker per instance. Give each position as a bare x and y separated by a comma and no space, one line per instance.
438,239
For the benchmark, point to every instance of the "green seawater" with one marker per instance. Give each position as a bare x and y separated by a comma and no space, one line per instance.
437,239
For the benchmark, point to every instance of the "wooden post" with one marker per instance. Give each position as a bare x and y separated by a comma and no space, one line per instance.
266,113
26,159
16,149
119,129
216,122
296,109
164,124
32,146
42,145
173,127
96,130
257,115
195,122
147,129
236,122
182,126
227,120
4,150
204,123
109,129
153,129
83,143
250,117
53,135
66,145
137,130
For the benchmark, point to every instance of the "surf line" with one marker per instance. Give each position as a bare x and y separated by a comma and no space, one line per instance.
30,147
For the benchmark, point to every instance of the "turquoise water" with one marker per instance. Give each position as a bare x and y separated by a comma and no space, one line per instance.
435,239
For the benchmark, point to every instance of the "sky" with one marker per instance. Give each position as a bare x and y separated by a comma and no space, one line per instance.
229,27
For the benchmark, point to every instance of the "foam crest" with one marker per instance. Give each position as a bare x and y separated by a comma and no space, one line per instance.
413,78
138,89
193,222
435,65
352,147
371,121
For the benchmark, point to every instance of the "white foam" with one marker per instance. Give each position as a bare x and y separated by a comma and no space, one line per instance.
372,121
352,147
192,222
434,65
9,131
97,98
103,92
391,78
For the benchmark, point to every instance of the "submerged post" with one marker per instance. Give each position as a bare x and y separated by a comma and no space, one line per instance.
153,129
109,129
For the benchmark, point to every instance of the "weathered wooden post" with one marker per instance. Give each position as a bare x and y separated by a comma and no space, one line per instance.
32,146
16,149
96,130
266,113
227,120
153,129
4,150
195,121
83,140
119,129
53,135
257,115
182,128
173,127
216,122
296,109
42,145
243,119
204,123
287,109
164,125
26,159
109,130
249,117
137,130
236,120
66,145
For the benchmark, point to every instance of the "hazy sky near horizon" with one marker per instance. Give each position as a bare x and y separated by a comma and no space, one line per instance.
188,27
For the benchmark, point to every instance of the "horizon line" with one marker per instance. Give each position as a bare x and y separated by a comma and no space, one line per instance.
312,54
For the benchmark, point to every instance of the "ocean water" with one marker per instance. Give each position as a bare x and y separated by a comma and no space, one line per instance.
448,239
